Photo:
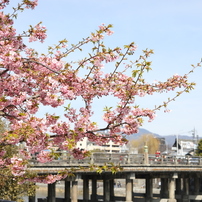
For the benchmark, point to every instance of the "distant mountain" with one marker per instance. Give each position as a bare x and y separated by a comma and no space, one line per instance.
142,131
169,139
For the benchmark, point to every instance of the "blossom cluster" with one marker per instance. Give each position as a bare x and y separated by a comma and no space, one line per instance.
44,156
17,166
37,33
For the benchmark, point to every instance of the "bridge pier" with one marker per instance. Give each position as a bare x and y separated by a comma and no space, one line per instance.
94,189
164,188
32,198
67,191
196,186
85,189
74,191
185,196
51,193
106,189
178,189
171,188
149,188
129,190
178,183
112,190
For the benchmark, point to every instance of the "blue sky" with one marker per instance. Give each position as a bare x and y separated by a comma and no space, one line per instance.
171,28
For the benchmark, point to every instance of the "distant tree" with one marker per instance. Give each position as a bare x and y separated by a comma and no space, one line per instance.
147,139
199,149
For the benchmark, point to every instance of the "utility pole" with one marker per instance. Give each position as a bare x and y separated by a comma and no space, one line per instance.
177,142
193,134
194,138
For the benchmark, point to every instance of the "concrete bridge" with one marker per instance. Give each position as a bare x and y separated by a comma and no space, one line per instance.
179,179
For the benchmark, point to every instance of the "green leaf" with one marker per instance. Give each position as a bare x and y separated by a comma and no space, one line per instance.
134,73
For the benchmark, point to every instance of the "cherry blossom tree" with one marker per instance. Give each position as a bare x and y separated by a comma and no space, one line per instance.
30,80
11,187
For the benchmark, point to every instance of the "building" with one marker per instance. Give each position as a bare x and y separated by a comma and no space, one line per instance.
182,147
109,147
162,144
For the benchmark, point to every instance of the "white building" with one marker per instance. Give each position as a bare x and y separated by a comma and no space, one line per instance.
109,147
184,146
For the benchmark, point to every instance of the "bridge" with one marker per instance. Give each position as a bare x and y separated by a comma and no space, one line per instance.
180,178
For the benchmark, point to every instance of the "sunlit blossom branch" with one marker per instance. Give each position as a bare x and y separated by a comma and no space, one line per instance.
107,128
118,63
84,61
165,104
96,133
77,46
99,54
9,116
6,114
98,47
39,63
146,55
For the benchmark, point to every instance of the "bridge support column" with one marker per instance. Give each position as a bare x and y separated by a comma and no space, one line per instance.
129,190
171,187
74,191
196,186
149,189
106,190
32,198
178,183
111,190
51,193
85,189
94,189
178,189
67,192
164,188
185,197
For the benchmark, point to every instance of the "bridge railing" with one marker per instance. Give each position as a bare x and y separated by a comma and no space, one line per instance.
175,160
122,158
97,158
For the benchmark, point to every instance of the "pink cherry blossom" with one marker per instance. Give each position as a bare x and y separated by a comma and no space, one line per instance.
18,167
44,156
